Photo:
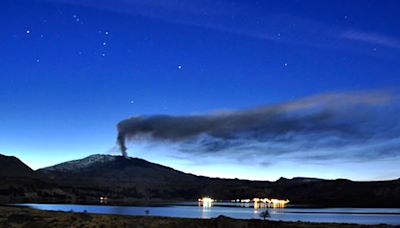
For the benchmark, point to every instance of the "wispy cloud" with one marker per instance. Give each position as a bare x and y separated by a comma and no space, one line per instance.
242,19
371,38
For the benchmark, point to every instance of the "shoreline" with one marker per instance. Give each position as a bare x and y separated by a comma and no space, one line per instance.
20,216
179,202
166,204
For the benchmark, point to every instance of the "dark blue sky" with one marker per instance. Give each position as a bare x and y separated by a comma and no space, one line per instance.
71,70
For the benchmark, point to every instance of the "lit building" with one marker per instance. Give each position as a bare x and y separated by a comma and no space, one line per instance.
264,203
103,199
205,201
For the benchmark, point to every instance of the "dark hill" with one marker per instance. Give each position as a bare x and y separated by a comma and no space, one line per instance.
19,183
13,167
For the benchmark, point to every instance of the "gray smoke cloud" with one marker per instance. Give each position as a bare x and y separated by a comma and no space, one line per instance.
326,120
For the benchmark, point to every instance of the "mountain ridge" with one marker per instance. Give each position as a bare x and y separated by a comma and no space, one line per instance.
107,157
97,159
126,180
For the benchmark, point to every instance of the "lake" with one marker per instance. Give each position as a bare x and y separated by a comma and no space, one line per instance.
192,210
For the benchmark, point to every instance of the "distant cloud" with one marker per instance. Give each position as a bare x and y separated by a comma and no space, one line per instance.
335,126
372,38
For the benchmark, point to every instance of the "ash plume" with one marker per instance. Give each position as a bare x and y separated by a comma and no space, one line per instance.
121,144
322,120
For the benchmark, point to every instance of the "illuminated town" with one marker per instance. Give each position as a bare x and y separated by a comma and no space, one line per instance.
205,202
255,202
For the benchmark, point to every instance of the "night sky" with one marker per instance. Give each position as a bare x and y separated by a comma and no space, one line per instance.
246,89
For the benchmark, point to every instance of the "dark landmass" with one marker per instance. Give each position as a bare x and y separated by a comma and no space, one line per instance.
13,167
26,217
127,181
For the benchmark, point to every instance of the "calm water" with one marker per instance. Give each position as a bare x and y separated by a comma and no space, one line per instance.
191,210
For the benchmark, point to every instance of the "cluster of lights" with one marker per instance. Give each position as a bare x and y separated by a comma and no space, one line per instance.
275,203
103,199
206,201
263,202
257,202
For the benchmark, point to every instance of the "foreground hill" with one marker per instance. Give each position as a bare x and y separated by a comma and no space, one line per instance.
13,167
19,183
127,180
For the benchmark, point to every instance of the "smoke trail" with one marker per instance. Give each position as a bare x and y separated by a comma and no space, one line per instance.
121,143
347,116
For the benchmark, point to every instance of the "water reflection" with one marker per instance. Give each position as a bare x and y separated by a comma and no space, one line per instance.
206,212
234,210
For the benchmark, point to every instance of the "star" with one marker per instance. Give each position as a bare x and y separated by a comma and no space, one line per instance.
106,33
103,54
179,67
28,31
104,43
37,60
285,64
131,101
